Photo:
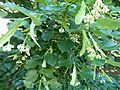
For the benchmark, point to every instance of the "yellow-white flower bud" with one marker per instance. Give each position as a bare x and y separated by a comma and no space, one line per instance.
61,30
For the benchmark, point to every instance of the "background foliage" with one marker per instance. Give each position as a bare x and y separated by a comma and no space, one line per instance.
57,44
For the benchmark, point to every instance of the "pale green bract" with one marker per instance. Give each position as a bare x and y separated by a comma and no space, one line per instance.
32,34
81,13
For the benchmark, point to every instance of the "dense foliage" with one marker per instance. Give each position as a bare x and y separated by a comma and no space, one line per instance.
59,45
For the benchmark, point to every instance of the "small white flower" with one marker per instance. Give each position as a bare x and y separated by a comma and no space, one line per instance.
24,57
23,48
61,30
19,63
8,47
98,3
89,18
98,56
74,81
95,13
105,9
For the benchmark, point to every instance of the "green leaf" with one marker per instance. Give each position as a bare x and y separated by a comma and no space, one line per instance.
86,73
81,13
72,30
20,35
54,84
32,63
10,33
65,45
28,84
47,35
117,64
50,58
90,2
109,44
65,62
30,43
47,72
31,75
107,23
32,34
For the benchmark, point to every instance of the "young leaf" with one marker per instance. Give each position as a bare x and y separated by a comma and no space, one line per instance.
86,73
31,75
81,13
32,34
50,58
47,35
65,45
10,33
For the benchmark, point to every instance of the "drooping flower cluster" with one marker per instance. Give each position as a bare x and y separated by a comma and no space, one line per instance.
91,53
23,48
98,8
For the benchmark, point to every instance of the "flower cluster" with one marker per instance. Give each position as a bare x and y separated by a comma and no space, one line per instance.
23,48
8,47
91,53
98,8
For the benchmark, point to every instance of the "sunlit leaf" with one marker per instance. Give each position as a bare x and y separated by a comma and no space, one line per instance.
31,75
65,45
107,23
